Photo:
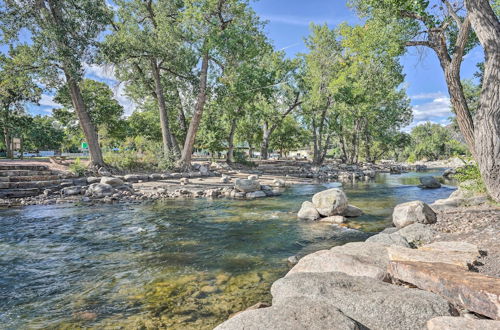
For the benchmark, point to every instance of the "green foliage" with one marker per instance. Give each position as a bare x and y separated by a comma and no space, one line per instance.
240,157
469,178
77,167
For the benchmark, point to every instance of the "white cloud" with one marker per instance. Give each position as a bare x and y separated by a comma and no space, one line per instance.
437,111
119,95
48,101
106,72
428,96
299,20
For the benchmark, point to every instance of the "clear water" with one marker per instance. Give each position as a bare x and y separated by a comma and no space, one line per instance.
172,264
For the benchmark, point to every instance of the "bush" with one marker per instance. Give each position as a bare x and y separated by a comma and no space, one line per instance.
469,178
240,157
77,167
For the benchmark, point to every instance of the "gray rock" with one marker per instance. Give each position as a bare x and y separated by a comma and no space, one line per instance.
330,202
389,239
429,182
326,261
204,171
389,230
279,183
292,260
246,186
103,172
449,172
413,212
100,190
294,314
375,252
253,177
225,179
336,219
255,194
418,234
135,177
112,181
372,303
71,191
308,212
80,182
352,211
454,323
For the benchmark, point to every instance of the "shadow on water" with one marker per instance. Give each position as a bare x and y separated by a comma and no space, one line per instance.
176,264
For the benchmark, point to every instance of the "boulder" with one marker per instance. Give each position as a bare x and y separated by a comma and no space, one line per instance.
389,239
454,323
457,258
389,230
100,190
476,292
294,314
204,171
71,191
418,234
279,183
253,177
429,182
184,181
135,177
372,303
255,194
352,211
375,252
112,181
337,219
449,172
413,212
330,202
246,186
225,179
308,212
452,246
103,172
326,261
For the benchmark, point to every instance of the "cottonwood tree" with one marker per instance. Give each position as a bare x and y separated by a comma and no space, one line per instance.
64,34
446,27
17,87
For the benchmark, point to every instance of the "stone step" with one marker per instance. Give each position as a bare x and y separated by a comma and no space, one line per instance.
33,178
25,172
29,184
18,193
24,167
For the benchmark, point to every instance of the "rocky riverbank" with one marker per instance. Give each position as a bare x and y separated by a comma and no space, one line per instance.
206,180
435,269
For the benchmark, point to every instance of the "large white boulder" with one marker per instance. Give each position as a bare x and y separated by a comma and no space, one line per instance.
308,212
112,181
413,212
330,202
246,186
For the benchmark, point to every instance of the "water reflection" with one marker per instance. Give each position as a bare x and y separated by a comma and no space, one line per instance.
176,264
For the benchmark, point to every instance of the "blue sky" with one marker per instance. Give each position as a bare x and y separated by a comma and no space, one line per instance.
288,24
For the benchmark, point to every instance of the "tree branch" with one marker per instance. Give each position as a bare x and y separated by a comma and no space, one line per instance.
453,13
419,43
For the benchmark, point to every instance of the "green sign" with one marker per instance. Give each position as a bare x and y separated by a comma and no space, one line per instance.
85,145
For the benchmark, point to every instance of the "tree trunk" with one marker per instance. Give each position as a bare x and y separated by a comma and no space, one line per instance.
86,124
487,129
195,121
6,135
230,142
168,141
264,146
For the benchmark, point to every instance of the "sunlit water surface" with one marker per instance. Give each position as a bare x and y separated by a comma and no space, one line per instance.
172,264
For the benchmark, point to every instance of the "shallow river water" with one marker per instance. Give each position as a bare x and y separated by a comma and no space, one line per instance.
174,264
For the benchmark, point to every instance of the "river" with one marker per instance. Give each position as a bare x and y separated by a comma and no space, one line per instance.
177,264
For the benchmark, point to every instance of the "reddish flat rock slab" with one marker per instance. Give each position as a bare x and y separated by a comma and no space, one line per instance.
474,291
454,323
457,258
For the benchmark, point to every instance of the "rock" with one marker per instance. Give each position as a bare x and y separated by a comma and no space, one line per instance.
389,230
184,181
457,258
112,181
452,246
293,260
103,172
100,190
294,314
475,292
330,261
413,212
369,173
443,204
154,176
135,177
246,186
372,303
225,179
308,212
80,181
338,219
389,239
418,234
253,177
203,170
330,202
449,172
352,211
255,194
375,252
454,323
279,183
71,191
429,182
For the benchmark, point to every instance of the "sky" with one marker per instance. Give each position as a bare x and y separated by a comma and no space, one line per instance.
288,25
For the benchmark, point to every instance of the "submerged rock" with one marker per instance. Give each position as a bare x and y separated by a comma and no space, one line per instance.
246,186
429,182
308,212
375,304
337,219
413,212
352,211
255,194
330,202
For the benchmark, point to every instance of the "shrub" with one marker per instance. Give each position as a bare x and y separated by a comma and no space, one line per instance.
469,178
240,157
77,167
